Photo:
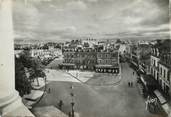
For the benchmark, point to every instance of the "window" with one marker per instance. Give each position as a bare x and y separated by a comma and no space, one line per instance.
168,79
154,63
164,73
99,61
109,70
160,70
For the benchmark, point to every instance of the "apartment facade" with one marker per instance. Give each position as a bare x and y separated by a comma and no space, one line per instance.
100,60
140,57
154,59
107,61
79,58
165,72
160,65
43,54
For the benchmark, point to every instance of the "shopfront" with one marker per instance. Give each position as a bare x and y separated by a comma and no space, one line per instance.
107,69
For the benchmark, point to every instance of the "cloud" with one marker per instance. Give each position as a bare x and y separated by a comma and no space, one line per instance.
76,5
75,18
150,11
92,1
132,20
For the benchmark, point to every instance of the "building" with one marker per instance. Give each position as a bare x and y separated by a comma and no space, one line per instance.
79,58
68,58
127,53
164,67
122,49
160,69
140,57
85,58
107,61
154,59
45,53
134,55
160,64
90,58
144,58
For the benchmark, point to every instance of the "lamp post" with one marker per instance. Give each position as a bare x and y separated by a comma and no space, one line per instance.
72,101
72,109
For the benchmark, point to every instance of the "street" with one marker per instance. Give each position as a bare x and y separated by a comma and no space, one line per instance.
117,100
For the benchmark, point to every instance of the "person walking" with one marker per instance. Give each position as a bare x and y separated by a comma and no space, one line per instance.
60,104
69,114
146,105
49,90
129,84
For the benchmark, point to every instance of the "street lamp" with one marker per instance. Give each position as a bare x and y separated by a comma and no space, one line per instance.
72,109
72,101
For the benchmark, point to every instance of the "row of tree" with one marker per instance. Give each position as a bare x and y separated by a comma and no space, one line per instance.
27,70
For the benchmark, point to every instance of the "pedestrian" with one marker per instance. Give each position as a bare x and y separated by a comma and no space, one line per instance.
60,104
69,114
152,107
146,104
129,84
133,73
49,90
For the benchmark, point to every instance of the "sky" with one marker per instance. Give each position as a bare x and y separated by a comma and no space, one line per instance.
73,19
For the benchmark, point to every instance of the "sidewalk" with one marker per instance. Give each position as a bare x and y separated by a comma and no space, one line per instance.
59,75
30,99
102,79
93,78
34,95
83,76
164,105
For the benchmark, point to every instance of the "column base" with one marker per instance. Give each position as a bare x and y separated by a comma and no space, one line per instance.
12,106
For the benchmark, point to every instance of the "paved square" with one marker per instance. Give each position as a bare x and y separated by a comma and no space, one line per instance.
117,100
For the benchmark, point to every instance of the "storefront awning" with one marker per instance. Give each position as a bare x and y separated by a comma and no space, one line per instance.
160,97
148,80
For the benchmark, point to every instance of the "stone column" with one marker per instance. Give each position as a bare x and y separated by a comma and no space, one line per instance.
9,98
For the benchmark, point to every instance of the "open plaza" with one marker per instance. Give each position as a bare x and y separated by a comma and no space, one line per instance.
92,100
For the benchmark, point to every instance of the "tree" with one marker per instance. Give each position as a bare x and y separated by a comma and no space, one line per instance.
36,70
33,65
26,59
22,83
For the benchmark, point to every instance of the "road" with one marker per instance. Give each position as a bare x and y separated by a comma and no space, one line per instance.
100,101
